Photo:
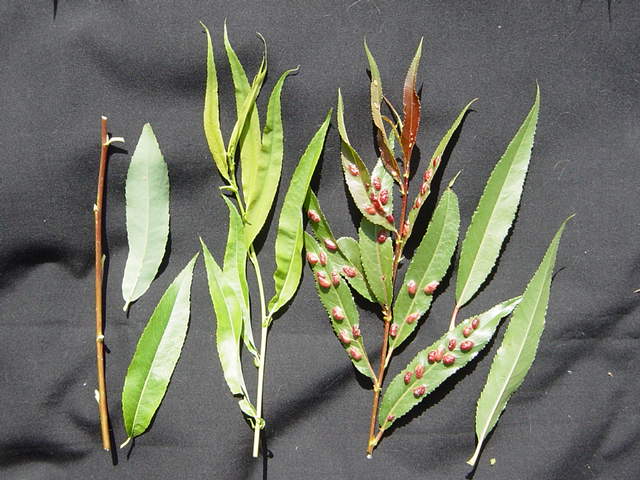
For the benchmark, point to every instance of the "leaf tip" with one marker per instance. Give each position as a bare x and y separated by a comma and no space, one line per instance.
453,180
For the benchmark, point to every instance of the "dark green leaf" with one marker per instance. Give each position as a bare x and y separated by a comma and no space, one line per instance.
377,260
147,195
400,396
518,350
156,355
339,296
495,211
290,239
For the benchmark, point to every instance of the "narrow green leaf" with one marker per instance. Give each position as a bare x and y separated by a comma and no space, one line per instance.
411,107
147,196
339,297
429,264
518,350
289,239
261,174
400,396
377,260
211,113
496,211
235,271
434,163
229,327
350,248
156,355
386,153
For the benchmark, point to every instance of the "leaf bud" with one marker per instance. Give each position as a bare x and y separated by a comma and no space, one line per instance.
466,345
411,287
419,371
393,330
355,353
323,258
452,344
330,244
448,360
355,331
475,323
313,216
337,313
343,336
431,287
407,377
349,271
353,170
467,331
412,317
312,258
419,391
323,281
376,182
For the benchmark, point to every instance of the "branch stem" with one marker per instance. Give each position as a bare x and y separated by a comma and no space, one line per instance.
97,215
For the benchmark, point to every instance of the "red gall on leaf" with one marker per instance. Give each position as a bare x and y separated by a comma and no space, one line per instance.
323,258
424,188
439,354
384,196
431,287
353,170
393,330
475,323
330,244
382,236
436,161
370,209
452,344
427,175
448,360
390,218
466,345
377,184
335,278
412,317
391,418
407,377
337,313
404,231
355,353
323,281
431,357
312,258
412,287
349,271
467,331
417,203
419,371
355,331
343,336
419,391
313,216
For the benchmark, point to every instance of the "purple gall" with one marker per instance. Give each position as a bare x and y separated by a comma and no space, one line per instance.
323,281
349,271
323,258
377,184
431,357
412,287
382,236
448,360
419,391
412,317
439,354
353,170
467,331
330,244
390,218
419,371
431,287
355,331
384,197
452,344
393,330
466,345
407,377
337,313
355,353
370,209
313,216
475,323
335,278
312,258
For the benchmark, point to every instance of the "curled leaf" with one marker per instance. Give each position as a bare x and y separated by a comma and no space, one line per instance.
289,239
519,345
429,264
406,390
342,310
156,355
147,195
376,253
496,211
434,163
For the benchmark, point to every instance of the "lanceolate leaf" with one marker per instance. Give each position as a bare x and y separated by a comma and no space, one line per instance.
351,250
147,195
156,355
429,264
211,113
377,260
235,271
434,163
317,221
401,396
518,350
411,107
386,153
342,310
249,132
496,210
289,240
261,174
229,328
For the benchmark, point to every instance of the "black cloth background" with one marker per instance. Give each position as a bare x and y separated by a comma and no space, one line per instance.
64,63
